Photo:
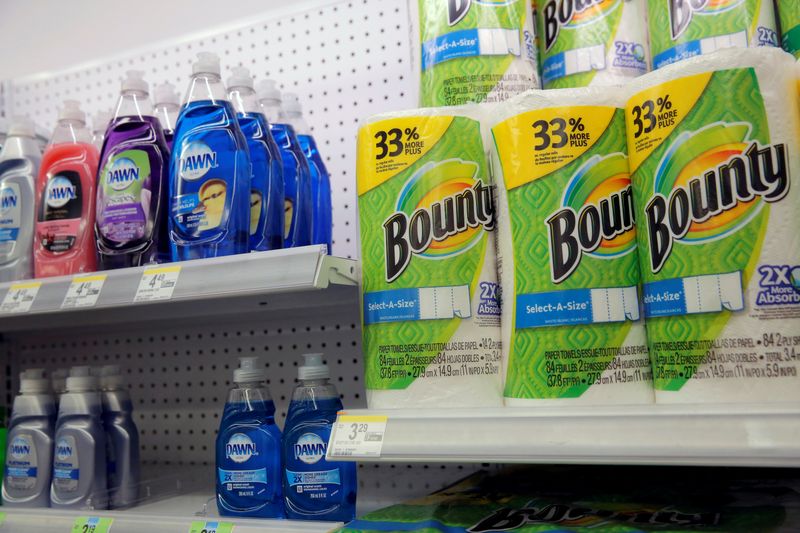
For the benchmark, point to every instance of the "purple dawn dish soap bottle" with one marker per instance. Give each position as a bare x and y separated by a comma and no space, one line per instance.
131,226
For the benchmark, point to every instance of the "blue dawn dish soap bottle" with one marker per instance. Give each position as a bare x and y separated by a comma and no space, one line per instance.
321,232
249,448
30,443
79,459
167,106
209,181
314,488
296,173
122,439
19,166
266,182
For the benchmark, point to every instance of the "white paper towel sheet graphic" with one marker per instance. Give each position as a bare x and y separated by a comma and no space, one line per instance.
707,294
444,302
498,41
615,304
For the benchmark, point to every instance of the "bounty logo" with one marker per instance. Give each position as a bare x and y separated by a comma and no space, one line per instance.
20,448
240,448
310,448
681,12
709,184
439,214
458,9
597,217
122,173
63,450
8,199
196,160
573,13
60,190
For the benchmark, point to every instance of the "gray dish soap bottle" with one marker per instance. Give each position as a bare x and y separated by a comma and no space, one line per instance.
30,443
122,439
79,459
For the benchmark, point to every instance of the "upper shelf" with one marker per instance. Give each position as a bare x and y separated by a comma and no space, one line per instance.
262,281
695,435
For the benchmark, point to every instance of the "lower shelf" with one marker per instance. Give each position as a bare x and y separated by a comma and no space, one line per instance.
170,515
693,435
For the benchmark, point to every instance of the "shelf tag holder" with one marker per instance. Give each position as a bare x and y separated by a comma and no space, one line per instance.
355,436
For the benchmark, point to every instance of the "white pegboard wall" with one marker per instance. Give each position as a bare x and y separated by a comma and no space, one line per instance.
179,376
346,61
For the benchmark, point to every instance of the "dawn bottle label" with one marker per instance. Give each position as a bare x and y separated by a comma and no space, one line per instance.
203,197
21,463
256,210
60,212
10,217
122,198
249,481
311,480
66,466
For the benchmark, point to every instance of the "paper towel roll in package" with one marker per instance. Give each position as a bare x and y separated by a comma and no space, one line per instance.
430,310
569,273
472,51
680,29
602,42
713,150
789,14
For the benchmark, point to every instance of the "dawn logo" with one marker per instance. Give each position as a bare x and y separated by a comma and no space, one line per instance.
310,448
196,160
20,448
440,212
573,13
59,191
240,448
122,173
709,184
63,449
681,12
8,199
597,216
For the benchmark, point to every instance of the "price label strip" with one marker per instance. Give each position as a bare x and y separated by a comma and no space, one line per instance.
2,518
83,291
92,524
357,436
20,297
211,527
157,284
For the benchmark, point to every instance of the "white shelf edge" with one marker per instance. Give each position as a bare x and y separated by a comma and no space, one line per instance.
692,435
272,276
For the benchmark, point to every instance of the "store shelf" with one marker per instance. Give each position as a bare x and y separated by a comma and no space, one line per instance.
263,281
173,515
698,435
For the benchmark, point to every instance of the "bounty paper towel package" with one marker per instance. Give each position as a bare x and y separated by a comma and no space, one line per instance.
599,42
680,29
430,310
789,13
472,50
713,150
569,273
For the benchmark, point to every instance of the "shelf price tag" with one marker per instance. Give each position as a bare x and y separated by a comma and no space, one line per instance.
211,527
357,436
20,297
2,518
92,524
157,283
83,291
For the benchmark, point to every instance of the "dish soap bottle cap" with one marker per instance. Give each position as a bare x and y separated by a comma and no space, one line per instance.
267,90
240,77
33,381
207,63
291,103
166,94
313,367
249,371
71,110
134,81
22,126
110,377
81,379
